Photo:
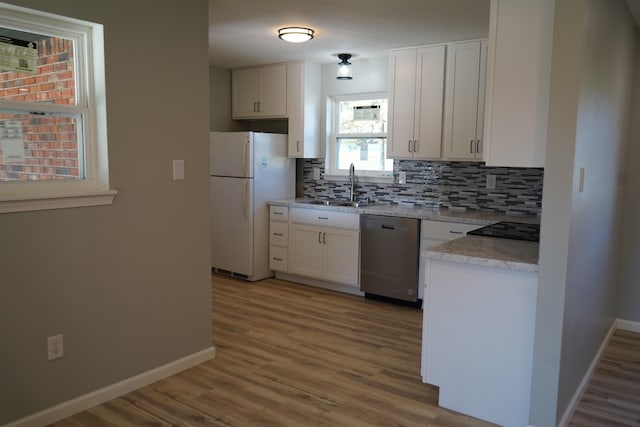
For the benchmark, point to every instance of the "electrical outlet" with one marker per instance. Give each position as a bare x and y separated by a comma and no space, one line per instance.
491,182
55,348
316,173
402,177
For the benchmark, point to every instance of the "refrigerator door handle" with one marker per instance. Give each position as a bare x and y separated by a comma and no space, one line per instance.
245,198
245,166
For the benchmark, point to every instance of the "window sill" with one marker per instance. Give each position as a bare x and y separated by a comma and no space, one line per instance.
360,178
58,201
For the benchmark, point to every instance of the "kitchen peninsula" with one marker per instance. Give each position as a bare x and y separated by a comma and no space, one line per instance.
478,326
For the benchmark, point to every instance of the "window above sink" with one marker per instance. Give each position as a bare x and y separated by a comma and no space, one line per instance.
358,136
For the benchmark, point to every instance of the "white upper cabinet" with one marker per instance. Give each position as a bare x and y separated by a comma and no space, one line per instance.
416,90
464,100
303,102
518,81
259,92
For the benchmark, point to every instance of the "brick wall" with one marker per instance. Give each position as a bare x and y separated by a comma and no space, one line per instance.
50,142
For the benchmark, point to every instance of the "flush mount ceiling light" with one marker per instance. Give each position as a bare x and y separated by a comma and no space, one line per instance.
295,34
344,67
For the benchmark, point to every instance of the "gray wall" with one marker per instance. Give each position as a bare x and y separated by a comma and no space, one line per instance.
128,284
220,101
591,84
629,281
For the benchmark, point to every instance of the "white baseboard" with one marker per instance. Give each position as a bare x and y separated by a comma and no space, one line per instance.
585,379
97,397
628,325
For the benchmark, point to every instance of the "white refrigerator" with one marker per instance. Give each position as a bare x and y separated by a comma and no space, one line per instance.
247,170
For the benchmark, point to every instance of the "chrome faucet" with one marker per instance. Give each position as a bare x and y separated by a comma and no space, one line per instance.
352,181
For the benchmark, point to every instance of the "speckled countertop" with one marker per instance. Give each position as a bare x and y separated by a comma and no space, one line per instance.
420,212
478,250
507,254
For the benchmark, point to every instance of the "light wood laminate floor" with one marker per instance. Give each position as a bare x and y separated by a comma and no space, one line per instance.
292,355
612,397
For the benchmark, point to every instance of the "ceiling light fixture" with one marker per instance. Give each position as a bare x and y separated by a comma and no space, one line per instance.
295,34
344,67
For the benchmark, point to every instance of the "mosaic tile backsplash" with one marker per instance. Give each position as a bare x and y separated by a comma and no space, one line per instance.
441,184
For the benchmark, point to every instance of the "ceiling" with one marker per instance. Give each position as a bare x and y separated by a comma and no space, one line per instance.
244,32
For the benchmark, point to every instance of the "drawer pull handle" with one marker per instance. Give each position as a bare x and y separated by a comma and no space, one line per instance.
277,259
323,217
455,232
278,234
278,213
388,227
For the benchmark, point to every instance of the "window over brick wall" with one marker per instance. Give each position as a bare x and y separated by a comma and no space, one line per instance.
53,141
50,148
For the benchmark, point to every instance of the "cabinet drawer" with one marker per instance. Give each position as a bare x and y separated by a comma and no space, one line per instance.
279,213
278,233
278,260
442,230
326,218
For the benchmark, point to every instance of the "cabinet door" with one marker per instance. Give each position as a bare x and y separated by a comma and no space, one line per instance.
518,82
461,103
343,260
430,94
303,109
273,91
402,99
306,251
295,102
245,85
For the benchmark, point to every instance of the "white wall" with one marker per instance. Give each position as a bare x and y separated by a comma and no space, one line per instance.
593,51
129,285
629,280
369,75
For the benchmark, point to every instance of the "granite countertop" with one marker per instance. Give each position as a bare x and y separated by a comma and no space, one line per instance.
507,254
494,252
419,212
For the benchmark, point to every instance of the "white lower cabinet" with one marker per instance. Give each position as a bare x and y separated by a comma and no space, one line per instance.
278,238
477,339
328,252
434,233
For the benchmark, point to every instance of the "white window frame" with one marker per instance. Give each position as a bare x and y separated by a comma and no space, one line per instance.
16,196
332,173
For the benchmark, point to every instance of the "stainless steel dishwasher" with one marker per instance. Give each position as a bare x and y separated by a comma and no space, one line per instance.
389,256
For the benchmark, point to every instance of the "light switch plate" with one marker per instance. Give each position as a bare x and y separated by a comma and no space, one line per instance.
178,170
316,173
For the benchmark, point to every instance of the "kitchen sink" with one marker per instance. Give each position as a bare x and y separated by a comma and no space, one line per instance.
333,202
324,202
353,204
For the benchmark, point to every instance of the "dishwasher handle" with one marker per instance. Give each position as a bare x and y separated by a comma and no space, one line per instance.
388,227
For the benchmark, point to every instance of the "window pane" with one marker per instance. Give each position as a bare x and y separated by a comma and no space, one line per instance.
53,77
363,116
365,154
36,147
